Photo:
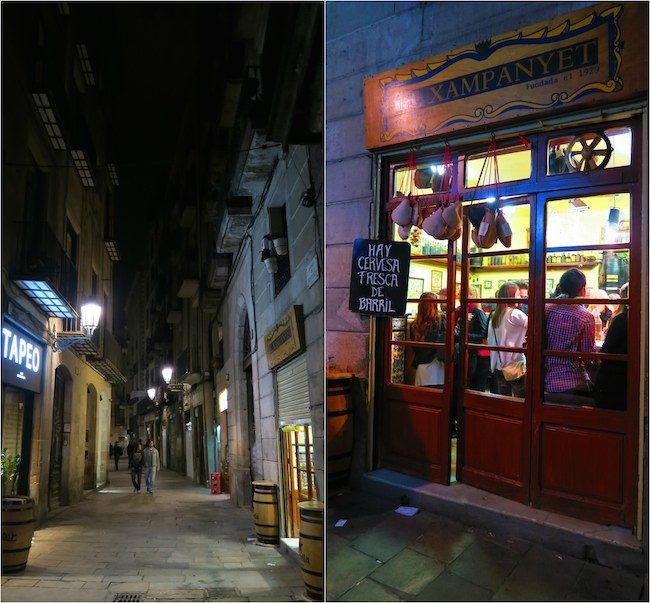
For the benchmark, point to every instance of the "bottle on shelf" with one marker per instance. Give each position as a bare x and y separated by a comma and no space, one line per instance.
599,324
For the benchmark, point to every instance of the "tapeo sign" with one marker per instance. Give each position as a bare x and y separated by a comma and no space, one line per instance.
22,359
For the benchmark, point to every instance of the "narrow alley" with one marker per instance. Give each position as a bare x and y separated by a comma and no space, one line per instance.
181,543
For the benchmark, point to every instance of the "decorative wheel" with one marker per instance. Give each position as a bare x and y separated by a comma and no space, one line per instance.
588,152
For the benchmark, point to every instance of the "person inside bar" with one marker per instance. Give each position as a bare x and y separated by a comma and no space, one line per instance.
428,326
523,292
478,361
569,328
610,387
507,328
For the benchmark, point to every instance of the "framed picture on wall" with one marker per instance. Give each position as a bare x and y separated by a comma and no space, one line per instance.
550,285
436,280
487,285
416,287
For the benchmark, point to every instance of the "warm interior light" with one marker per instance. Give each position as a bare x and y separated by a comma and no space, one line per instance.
578,205
167,374
90,314
151,392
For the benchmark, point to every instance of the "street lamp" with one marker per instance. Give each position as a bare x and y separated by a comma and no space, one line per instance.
151,392
167,374
90,314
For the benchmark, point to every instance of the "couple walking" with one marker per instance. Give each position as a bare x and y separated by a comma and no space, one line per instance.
147,460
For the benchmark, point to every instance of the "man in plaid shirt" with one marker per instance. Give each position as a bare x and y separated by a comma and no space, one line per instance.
569,328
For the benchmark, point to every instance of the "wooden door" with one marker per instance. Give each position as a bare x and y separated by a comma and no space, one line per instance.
494,417
585,443
415,411
299,482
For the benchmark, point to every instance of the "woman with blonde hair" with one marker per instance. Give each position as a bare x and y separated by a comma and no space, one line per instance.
429,326
507,328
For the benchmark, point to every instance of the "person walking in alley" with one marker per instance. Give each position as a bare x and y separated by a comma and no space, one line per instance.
130,448
117,453
151,465
137,461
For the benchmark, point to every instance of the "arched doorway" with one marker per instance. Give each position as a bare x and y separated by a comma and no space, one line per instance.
90,440
62,392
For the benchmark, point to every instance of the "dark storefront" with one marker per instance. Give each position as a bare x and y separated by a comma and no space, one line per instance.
23,359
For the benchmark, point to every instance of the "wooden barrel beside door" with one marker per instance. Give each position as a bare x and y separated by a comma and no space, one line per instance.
265,512
311,547
340,431
17,532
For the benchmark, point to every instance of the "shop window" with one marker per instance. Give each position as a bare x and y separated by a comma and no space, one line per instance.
515,163
428,178
488,273
566,154
578,333
597,220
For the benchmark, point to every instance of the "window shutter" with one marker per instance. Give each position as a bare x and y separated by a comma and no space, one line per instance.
293,392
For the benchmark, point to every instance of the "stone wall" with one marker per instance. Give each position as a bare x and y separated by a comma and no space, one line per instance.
250,292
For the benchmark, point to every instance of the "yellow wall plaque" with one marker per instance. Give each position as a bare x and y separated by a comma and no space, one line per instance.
286,338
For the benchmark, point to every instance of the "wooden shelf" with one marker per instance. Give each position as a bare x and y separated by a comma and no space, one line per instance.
514,267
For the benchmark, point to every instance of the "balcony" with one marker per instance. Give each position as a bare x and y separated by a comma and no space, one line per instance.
218,270
236,218
104,353
187,367
46,274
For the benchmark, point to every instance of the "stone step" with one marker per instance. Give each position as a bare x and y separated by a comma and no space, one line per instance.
609,546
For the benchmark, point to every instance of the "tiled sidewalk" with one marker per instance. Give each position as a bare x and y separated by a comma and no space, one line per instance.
181,543
382,556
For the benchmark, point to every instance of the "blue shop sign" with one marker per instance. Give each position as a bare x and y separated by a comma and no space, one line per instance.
23,358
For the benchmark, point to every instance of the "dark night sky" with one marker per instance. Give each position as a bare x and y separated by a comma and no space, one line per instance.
146,55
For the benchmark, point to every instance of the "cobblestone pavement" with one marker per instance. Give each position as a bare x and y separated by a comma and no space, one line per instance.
179,544
379,555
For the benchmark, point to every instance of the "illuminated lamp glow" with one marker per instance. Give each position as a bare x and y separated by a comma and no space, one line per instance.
167,374
90,314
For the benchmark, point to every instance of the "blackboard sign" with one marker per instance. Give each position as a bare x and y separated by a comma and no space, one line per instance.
379,278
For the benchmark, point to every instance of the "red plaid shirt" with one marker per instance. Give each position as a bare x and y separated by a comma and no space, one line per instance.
569,328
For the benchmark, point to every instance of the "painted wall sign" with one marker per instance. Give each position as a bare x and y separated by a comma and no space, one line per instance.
286,338
379,277
591,56
23,358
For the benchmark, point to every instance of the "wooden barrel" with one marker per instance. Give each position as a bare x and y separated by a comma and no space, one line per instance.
265,512
17,532
311,547
340,431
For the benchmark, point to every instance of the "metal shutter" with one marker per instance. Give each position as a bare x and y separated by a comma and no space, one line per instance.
293,392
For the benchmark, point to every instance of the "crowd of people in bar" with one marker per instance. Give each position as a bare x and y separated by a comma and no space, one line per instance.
575,328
